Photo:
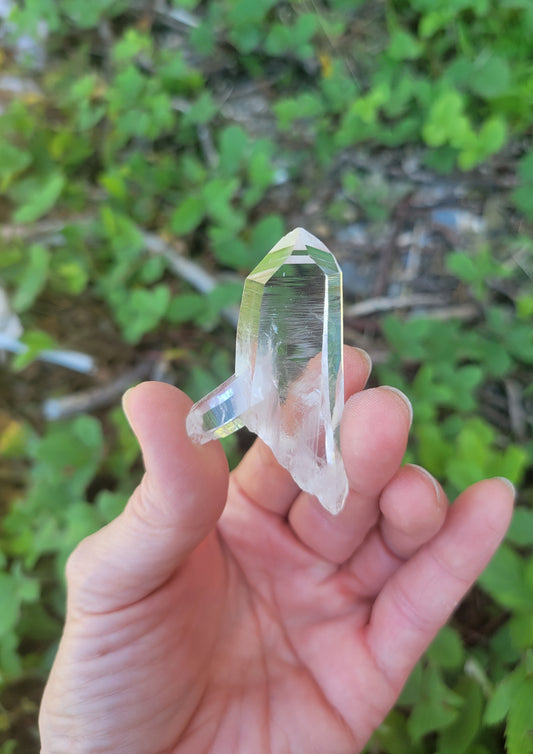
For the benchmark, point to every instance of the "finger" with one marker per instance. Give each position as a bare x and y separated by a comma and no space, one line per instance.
423,593
261,479
413,509
374,433
177,503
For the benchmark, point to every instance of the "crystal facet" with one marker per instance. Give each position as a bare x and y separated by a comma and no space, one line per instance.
288,386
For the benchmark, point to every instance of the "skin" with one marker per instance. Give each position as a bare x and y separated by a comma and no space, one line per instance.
233,614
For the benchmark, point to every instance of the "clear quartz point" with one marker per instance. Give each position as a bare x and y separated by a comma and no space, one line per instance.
288,386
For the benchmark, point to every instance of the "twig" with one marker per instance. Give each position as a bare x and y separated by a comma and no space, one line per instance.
517,416
464,312
77,362
208,148
175,18
105,31
178,17
390,303
40,230
88,400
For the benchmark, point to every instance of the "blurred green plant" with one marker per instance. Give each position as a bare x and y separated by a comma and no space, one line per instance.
452,438
120,136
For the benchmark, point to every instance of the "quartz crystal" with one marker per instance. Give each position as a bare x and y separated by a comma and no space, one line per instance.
288,386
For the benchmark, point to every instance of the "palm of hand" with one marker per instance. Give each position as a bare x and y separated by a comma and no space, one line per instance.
283,629
272,657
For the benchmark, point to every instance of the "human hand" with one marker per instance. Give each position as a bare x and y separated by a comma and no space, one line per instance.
260,624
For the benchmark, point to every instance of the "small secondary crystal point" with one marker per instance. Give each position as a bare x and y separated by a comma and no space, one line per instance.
288,385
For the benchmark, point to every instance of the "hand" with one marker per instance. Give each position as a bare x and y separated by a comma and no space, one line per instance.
260,624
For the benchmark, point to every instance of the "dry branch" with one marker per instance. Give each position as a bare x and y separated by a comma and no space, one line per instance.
89,400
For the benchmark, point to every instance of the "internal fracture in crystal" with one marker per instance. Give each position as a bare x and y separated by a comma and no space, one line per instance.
288,386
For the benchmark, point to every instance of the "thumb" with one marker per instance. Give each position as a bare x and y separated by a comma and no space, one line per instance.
177,504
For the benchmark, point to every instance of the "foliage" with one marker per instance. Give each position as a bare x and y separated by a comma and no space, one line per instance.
122,135
453,440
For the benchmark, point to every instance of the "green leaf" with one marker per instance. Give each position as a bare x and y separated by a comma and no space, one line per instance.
500,702
188,215
140,310
437,707
433,21
493,135
446,650
306,105
71,449
185,308
490,76
217,195
520,342
525,168
445,119
37,196
283,38
519,728
392,736
111,504
458,737
36,341
88,431
87,15
504,580
521,630
523,199
68,274
28,589
412,690
81,520
203,110
33,279
512,463
524,306
264,235
223,296
230,251
200,383
463,265
29,16
9,603
10,662
233,148
403,46
124,237
152,270
434,449
12,162
260,171
131,44
407,337
128,86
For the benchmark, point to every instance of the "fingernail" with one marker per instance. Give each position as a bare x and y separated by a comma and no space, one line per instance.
429,476
508,483
125,399
404,398
366,357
